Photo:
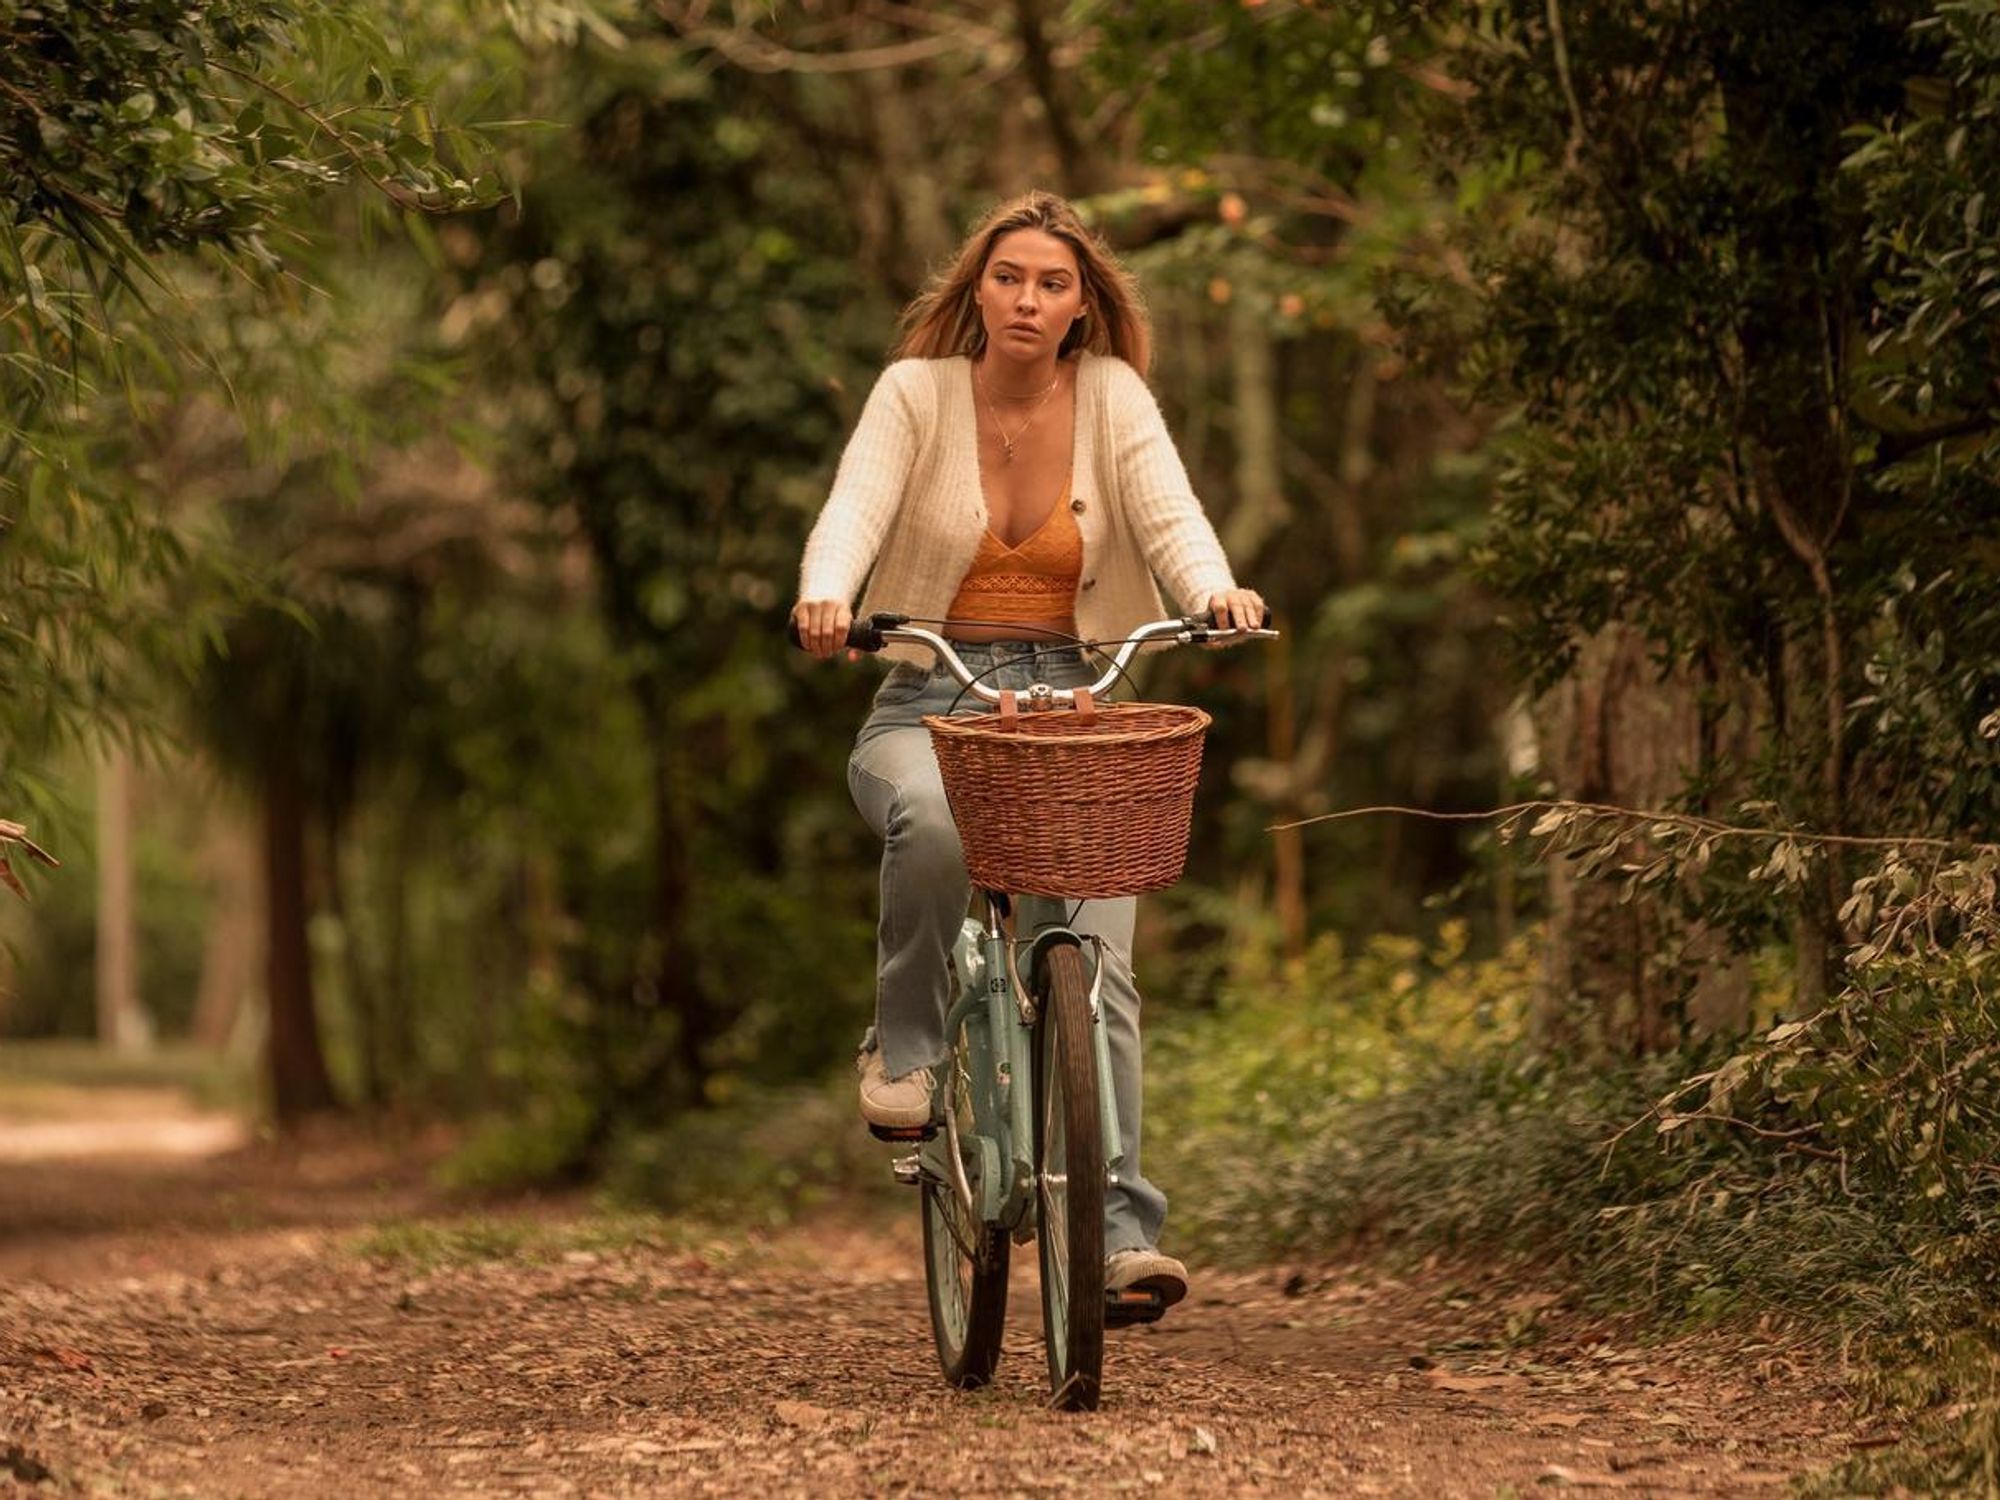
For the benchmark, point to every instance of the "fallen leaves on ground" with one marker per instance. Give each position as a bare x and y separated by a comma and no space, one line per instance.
236,1361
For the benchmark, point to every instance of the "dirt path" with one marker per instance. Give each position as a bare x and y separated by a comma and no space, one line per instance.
234,1327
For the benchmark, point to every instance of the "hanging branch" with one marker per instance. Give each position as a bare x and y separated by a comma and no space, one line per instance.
1634,815
396,192
12,834
1575,146
759,54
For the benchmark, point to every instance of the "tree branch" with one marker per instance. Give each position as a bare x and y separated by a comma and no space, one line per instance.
758,54
17,833
395,191
1811,551
1642,815
1078,176
1561,43
1789,1137
1896,446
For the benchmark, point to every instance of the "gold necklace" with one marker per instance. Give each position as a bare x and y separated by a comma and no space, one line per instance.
1007,443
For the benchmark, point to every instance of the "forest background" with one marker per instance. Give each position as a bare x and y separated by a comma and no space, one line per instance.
414,415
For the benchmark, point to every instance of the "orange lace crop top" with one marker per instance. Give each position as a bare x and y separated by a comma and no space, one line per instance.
1032,582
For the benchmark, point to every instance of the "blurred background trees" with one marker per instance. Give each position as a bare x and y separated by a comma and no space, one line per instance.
413,417
653,342
1606,333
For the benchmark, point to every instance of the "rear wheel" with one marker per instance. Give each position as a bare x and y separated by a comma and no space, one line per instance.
1069,1173
965,1259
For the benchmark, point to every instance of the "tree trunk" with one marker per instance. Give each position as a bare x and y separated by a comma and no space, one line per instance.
1260,510
1515,733
922,234
400,989
680,988
229,953
364,1002
1288,849
1180,327
1630,976
122,1023
1078,164
1798,354
1260,513
297,1068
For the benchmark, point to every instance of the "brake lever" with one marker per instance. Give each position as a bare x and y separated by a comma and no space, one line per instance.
1208,635
1202,630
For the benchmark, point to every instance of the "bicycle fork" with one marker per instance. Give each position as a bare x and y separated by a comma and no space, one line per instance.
987,962
995,980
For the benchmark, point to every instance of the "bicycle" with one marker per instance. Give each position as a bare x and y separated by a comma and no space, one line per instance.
1003,1164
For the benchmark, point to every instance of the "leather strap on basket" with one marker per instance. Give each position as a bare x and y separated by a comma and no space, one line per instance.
1010,711
1086,707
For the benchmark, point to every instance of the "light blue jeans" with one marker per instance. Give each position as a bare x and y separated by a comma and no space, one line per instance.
893,776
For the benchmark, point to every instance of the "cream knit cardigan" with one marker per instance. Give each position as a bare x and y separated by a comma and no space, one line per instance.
906,503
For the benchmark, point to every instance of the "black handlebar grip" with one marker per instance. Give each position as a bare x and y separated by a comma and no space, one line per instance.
862,635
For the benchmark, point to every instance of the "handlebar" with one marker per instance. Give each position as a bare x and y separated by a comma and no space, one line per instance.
880,630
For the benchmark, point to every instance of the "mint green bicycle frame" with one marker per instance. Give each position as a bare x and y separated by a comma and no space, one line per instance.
999,1185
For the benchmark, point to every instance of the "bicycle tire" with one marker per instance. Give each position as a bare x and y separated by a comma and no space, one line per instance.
1069,1184
965,1265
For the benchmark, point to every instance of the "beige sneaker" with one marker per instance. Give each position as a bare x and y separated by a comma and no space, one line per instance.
894,1103
1146,1271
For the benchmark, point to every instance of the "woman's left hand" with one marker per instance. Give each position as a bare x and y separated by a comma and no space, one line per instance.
1237,609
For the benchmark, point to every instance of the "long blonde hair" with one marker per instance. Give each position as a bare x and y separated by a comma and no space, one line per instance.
944,320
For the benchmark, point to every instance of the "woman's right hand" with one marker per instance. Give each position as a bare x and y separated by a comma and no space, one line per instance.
822,625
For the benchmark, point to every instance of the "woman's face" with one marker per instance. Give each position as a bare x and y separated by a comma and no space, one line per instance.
1029,294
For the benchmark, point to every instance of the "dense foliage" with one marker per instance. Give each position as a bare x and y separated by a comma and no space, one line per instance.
157,160
1730,437
675,360
1607,398
1725,273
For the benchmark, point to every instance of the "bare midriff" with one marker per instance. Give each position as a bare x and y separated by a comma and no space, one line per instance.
1057,632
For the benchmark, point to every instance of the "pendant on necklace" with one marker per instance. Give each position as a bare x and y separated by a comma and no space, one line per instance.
1006,451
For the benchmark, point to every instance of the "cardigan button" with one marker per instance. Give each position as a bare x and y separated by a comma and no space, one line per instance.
1077,505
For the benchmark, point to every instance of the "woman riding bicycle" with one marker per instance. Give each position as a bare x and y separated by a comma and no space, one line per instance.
1011,476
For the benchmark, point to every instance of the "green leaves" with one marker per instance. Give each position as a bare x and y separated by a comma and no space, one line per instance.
137,143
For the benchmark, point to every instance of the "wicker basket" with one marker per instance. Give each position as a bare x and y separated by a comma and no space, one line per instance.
1073,804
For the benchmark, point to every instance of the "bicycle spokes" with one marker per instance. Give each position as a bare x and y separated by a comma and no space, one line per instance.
1055,1190
1069,1171
965,1259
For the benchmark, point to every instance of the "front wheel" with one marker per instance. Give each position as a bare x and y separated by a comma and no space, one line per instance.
965,1259
1069,1174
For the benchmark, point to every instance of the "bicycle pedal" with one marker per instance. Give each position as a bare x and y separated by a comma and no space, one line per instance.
1123,1309
902,1133
907,1170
